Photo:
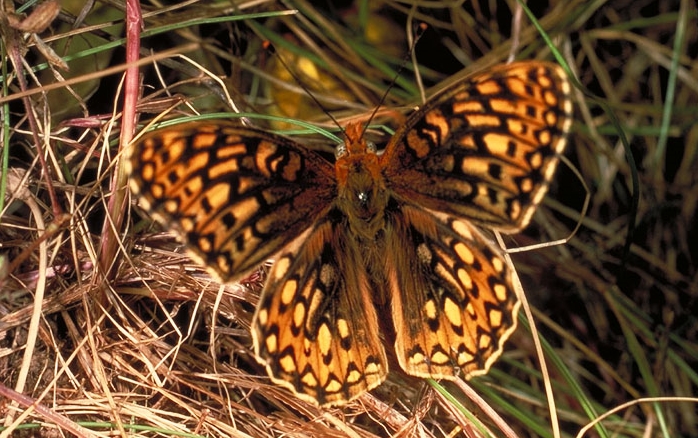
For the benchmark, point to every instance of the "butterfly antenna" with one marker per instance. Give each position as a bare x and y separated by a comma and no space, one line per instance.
421,28
270,49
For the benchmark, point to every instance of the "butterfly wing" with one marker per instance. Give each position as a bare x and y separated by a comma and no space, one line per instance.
486,148
315,327
452,301
235,195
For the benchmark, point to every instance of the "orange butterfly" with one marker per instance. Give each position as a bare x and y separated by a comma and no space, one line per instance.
395,231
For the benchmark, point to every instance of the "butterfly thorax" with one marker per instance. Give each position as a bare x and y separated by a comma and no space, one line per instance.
362,194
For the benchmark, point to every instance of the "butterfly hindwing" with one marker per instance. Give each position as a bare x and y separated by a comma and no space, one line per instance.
315,327
452,301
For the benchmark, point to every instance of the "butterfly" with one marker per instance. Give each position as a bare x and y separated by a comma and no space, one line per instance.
396,233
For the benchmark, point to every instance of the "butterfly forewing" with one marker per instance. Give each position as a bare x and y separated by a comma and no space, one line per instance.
235,195
452,300
486,148
316,327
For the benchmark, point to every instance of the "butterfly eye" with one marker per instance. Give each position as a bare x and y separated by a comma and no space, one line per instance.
340,151
371,147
